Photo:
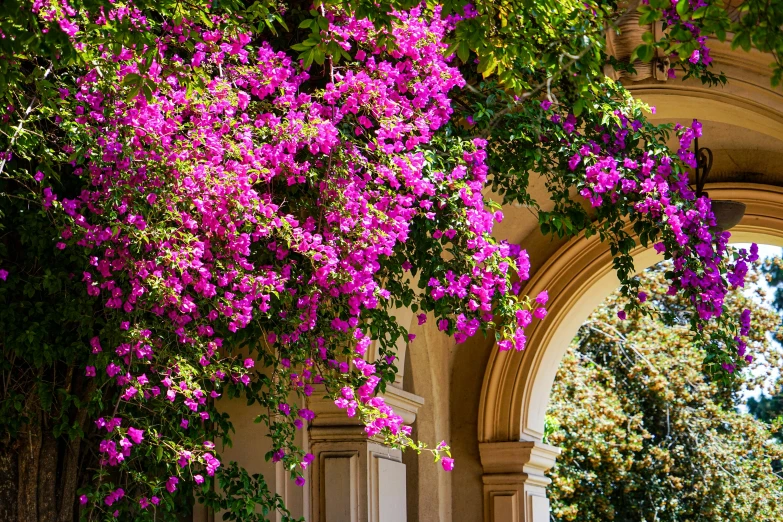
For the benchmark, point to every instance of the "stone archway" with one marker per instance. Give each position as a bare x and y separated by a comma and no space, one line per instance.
517,385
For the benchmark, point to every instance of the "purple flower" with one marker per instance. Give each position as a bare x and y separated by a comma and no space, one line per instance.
114,496
212,463
504,345
136,435
130,392
754,252
307,460
447,463
171,484
3,274
524,318
574,161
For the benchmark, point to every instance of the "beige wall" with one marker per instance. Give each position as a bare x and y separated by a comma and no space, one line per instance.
250,444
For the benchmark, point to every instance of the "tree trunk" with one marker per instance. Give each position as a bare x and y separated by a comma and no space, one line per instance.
9,482
40,473
29,456
47,479
69,482
71,464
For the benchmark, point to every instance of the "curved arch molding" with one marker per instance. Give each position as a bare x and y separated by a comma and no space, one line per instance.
516,388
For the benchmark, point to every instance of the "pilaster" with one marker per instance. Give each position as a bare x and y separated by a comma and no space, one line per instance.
515,481
355,478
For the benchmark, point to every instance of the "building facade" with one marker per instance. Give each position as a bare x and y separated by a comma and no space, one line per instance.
490,406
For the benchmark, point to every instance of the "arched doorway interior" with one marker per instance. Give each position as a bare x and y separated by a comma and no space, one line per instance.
517,385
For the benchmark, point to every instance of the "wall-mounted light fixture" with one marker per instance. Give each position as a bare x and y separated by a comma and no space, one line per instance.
727,213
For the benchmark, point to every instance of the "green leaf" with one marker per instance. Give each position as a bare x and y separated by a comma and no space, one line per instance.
487,65
323,23
741,39
683,9
463,52
579,106
648,15
131,78
307,58
644,52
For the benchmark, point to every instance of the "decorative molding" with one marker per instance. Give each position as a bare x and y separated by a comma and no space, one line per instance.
515,480
404,404
529,458
388,485
621,44
504,505
355,494
339,486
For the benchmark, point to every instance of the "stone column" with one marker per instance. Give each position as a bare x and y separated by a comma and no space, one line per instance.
515,481
353,478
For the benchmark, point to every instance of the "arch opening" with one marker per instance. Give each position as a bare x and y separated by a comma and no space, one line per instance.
517,385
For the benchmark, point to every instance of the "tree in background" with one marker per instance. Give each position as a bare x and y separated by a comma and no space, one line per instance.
773,271
769,407
646,434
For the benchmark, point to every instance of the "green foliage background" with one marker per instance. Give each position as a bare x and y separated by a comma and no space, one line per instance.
646,435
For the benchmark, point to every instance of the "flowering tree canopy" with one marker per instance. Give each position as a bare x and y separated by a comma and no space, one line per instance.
236,199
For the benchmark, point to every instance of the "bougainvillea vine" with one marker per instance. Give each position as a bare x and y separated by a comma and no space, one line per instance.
254,225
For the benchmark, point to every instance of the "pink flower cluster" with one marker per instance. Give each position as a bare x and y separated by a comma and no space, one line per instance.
256,201
68,18
700,55
658,191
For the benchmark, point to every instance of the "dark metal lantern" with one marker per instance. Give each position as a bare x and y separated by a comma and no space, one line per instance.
727,213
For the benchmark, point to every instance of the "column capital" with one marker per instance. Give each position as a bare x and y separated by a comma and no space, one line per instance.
404,404
515,480
517,457
355,478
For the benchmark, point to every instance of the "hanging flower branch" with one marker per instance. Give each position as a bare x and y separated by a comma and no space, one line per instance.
250,221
